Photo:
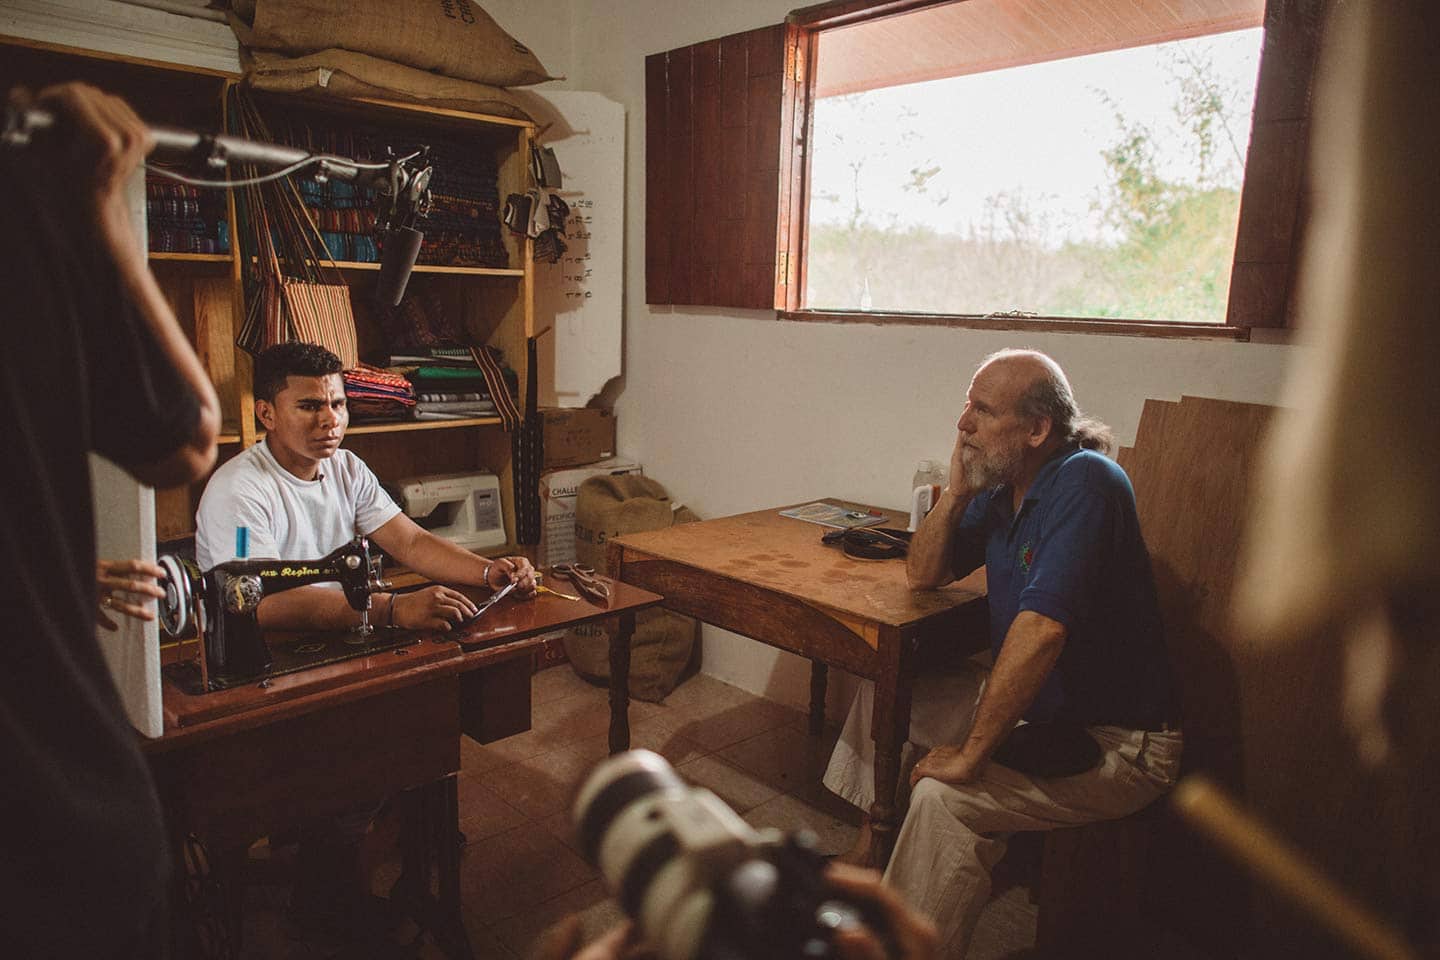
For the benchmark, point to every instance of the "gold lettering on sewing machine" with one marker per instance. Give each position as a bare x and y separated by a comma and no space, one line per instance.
292,572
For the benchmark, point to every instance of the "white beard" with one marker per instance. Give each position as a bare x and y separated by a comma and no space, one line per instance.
989,469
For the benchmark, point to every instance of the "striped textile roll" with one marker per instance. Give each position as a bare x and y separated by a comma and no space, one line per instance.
320,313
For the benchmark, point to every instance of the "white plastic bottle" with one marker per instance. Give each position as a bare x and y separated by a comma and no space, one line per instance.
930,479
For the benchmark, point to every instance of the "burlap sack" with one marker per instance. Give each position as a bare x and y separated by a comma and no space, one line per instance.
451,37
340,73
665,644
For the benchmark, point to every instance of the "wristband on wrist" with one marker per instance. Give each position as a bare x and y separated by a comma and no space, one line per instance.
486,575
390,615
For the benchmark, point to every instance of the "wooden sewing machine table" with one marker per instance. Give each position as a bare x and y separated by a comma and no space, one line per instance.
770,578
234,765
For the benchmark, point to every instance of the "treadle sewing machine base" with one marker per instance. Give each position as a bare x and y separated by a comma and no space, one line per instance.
238,763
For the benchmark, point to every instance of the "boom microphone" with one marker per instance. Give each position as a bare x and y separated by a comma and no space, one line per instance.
400,247
215,149
402,183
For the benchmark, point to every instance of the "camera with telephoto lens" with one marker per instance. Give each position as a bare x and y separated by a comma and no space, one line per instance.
700,882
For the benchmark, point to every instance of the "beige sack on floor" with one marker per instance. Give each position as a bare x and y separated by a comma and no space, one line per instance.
664,643
452,37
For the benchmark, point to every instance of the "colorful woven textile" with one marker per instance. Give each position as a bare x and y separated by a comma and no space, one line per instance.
181,219
463,225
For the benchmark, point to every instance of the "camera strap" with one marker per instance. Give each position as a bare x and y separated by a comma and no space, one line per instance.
870,543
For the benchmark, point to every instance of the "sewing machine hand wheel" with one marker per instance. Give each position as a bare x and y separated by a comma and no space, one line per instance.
182,587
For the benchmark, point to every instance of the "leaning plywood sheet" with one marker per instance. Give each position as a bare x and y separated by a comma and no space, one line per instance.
580,295
1263,718
1191,467
125,528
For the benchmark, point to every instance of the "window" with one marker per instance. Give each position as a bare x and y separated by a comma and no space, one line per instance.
882,160
1102,185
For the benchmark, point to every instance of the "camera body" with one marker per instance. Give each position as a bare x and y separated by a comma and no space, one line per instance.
700,882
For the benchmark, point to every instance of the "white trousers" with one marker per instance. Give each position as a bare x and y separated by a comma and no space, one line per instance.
952,836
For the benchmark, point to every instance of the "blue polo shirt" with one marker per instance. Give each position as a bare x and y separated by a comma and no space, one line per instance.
1074,554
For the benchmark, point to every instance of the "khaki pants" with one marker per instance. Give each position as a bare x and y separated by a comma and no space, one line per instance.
953,836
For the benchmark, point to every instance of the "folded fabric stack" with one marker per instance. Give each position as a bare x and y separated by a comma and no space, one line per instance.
463,228
448,383
376,394
452,405
180,219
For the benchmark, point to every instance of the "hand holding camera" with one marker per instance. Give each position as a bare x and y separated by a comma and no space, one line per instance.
702,884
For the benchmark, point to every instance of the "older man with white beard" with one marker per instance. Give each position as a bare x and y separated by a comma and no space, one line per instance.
1073,722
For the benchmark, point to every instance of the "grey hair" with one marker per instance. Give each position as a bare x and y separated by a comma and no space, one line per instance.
1050,396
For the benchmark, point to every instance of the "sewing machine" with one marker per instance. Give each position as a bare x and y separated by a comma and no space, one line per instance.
461,507
220,605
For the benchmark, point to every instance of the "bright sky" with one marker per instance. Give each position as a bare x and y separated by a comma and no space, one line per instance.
1037,129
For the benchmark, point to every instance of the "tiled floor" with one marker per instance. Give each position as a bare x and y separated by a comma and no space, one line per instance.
520,870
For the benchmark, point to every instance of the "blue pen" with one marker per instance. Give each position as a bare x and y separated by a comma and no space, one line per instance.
242,543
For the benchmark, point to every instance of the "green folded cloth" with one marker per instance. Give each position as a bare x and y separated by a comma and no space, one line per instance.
446,373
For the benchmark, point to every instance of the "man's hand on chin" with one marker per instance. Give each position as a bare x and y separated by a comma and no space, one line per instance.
948,764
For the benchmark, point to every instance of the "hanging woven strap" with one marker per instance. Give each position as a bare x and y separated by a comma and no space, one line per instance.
527,448
499,390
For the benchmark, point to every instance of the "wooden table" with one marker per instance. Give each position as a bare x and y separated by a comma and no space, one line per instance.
770,578
234,765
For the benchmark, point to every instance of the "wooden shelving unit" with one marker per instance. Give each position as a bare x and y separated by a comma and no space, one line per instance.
161,257
432,268
494,305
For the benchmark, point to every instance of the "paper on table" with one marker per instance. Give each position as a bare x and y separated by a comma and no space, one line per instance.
833,515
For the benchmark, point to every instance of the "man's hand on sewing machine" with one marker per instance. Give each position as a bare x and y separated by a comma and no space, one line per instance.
516,570
434,608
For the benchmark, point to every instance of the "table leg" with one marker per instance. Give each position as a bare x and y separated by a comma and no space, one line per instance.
890,726
620,684
883,821
208,918
456,942
429,841
819,676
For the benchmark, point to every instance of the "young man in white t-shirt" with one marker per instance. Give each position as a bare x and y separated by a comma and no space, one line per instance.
300,496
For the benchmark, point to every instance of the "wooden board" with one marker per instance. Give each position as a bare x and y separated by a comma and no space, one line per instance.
1264,719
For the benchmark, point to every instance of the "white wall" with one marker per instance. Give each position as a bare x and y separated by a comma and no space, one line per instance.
733,410
548,28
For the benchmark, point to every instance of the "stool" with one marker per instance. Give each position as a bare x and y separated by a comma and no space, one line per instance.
1092,879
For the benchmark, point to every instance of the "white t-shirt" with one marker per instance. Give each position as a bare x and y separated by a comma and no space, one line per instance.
288,518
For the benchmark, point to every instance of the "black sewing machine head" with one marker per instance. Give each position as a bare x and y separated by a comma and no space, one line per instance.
220,604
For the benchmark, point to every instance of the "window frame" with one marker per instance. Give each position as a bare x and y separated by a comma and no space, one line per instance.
1272,212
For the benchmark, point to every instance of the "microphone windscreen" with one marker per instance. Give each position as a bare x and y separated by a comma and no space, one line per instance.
402,246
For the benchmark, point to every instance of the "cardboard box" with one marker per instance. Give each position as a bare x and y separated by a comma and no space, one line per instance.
577,436
558,489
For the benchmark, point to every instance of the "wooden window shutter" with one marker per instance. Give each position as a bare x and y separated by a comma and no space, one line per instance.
713,116
1272,212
